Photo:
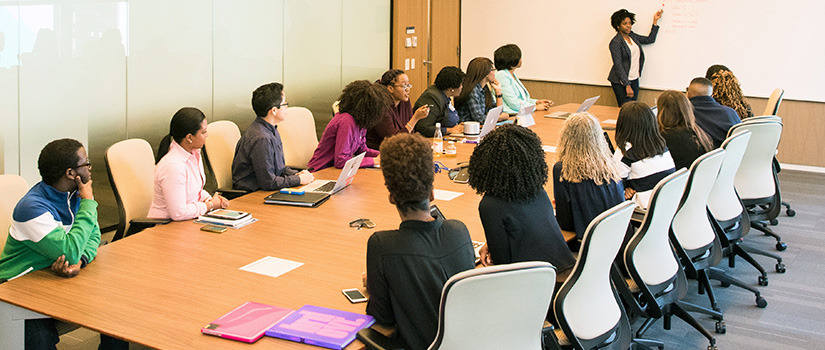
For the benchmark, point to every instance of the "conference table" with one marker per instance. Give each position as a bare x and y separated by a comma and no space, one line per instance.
160,286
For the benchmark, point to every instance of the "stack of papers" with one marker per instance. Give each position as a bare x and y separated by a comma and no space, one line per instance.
226,218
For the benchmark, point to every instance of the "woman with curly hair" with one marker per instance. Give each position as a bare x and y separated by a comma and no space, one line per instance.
641,154
400,118
362,106
476,99
407,267
509,170
627,54
685,140
728,92
586,181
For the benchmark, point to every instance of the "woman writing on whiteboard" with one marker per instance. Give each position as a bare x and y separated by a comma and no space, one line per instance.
627,54
507,58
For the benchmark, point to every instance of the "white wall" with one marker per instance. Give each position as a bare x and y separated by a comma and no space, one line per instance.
103,71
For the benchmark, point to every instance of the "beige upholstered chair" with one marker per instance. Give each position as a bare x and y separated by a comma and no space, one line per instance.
298,136
220,151
13,188
131,164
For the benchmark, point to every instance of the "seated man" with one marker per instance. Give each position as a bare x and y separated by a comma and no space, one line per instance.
407,267
714,118
259,155
47,230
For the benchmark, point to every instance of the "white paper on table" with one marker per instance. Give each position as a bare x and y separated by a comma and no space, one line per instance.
546,148
446,195
271,266
609,121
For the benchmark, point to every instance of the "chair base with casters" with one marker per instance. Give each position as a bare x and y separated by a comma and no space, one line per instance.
732,247
764,210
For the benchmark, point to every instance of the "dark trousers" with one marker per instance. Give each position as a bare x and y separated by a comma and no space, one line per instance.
621,92
42,334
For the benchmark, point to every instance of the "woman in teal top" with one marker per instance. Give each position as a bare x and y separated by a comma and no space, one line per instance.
507,58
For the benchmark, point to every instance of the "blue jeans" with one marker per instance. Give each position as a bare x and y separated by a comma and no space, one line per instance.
621,92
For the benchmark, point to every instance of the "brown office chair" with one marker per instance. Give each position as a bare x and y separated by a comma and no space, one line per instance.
298,136
220,151
130,164
13,188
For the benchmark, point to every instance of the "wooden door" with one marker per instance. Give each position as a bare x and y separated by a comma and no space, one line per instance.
445,24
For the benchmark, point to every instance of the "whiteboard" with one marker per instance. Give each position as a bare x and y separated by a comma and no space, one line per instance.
767,44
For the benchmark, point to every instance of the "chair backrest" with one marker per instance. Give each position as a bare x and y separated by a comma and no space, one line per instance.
131,167
220,150
755,177
691,225
298,136
649,257
516,296
772,108
587,306
723,201
13,188
335,107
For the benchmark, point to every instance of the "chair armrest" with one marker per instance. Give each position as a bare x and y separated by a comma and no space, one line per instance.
549,339
149,222
375,340
230,193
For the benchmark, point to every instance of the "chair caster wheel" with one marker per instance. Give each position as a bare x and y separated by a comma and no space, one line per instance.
725,284
720,327
712,347
780,246
780,267
761,302
763,281
790,212
774,222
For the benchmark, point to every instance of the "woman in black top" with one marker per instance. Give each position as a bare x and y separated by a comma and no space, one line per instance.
509,170
685,140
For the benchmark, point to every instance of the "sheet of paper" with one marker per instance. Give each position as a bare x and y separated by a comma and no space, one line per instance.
446,195
609,121
546,148
271,266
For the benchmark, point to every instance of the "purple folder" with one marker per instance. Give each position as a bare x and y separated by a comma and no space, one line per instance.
321,326
247,323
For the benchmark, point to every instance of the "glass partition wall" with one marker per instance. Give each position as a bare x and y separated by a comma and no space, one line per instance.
104,71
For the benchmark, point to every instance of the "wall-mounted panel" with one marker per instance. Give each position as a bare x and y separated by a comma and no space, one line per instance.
312,55
248,53
169,64
365,39
9,53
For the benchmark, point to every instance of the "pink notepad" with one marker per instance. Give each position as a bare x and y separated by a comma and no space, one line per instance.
247,323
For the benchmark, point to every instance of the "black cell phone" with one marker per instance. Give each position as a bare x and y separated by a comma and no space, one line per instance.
436,213
354,295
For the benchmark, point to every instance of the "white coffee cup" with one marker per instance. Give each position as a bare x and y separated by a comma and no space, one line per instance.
471,128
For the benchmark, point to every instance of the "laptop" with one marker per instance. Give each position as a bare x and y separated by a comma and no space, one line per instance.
583,108
524,117
318,191
490,121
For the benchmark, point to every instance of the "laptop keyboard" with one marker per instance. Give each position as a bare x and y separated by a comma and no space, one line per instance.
327,187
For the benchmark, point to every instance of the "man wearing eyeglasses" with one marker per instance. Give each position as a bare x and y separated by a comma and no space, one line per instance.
54,224
259,156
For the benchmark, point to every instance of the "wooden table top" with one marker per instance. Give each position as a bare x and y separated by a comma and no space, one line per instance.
159,287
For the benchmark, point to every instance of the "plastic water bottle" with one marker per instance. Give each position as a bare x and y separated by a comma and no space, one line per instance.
438,141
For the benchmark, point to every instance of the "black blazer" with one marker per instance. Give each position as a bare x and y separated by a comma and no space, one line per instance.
621,55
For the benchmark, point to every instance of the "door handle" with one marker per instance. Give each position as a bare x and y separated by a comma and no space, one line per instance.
426,62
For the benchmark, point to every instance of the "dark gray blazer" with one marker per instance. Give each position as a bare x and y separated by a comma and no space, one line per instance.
621,55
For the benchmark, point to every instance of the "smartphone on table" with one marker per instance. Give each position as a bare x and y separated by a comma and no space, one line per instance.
354,295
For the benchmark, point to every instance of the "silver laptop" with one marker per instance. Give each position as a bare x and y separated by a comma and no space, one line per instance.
344,179
490,121
583,108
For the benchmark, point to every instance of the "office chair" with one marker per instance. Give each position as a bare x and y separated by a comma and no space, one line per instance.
13,188
654,267
730,214
298,136
130,164
756,180
335,107
693,235
515,296
772,108
589,311
219,152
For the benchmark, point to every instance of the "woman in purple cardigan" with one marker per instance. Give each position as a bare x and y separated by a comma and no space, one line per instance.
362,106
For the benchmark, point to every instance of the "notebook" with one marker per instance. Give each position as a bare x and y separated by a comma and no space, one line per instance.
583,108
247,323
318,191
320,326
